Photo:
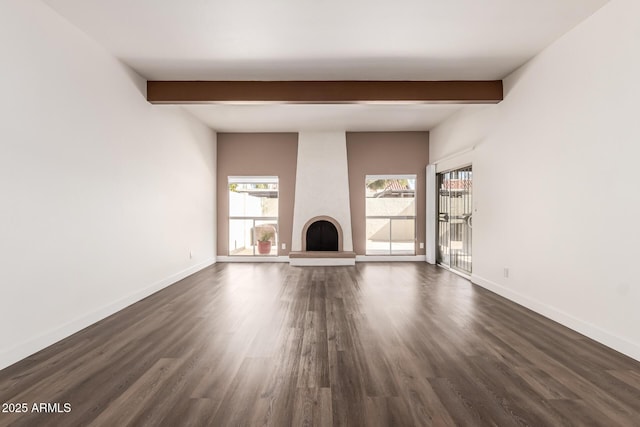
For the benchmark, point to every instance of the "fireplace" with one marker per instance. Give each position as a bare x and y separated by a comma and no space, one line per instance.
322,244
322,234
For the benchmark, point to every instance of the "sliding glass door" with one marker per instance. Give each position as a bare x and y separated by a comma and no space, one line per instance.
390,209
253,216
455,219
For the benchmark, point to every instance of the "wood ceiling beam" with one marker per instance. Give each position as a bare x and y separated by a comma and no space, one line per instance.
324,92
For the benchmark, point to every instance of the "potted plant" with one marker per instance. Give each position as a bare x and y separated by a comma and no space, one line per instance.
264,242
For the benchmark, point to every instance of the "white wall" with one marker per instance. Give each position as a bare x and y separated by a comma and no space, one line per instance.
102,195
556,182
322,184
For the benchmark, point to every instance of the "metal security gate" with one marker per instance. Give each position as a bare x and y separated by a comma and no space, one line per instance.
455,219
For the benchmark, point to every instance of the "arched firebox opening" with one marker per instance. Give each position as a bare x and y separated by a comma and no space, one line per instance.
322,236
322,233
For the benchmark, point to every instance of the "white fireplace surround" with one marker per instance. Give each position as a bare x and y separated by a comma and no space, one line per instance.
322,185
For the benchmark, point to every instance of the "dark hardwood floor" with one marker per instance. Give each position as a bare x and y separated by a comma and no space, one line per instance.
379,344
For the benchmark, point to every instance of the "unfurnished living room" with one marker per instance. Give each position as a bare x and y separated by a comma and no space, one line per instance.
319,213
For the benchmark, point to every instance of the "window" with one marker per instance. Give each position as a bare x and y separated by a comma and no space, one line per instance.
390,214
253,216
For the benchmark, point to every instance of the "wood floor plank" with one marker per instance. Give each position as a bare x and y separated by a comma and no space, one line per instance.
238,406
423,403
126,409
312,408
388,344
631,377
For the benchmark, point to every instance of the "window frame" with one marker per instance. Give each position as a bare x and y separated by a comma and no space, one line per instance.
391,218
245,179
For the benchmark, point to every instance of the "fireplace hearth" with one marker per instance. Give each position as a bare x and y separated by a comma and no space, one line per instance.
322,244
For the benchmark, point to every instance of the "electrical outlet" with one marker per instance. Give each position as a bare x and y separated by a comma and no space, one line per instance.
284,246
506,272
421,245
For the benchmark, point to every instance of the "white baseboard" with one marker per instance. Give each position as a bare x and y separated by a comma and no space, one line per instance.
224,258
326,262
31,346
613,341
359,258
390,258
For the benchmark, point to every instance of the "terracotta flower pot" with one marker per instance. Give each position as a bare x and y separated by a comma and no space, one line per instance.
264,247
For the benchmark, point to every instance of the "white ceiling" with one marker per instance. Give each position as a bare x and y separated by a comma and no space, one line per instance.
320,117
324,40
